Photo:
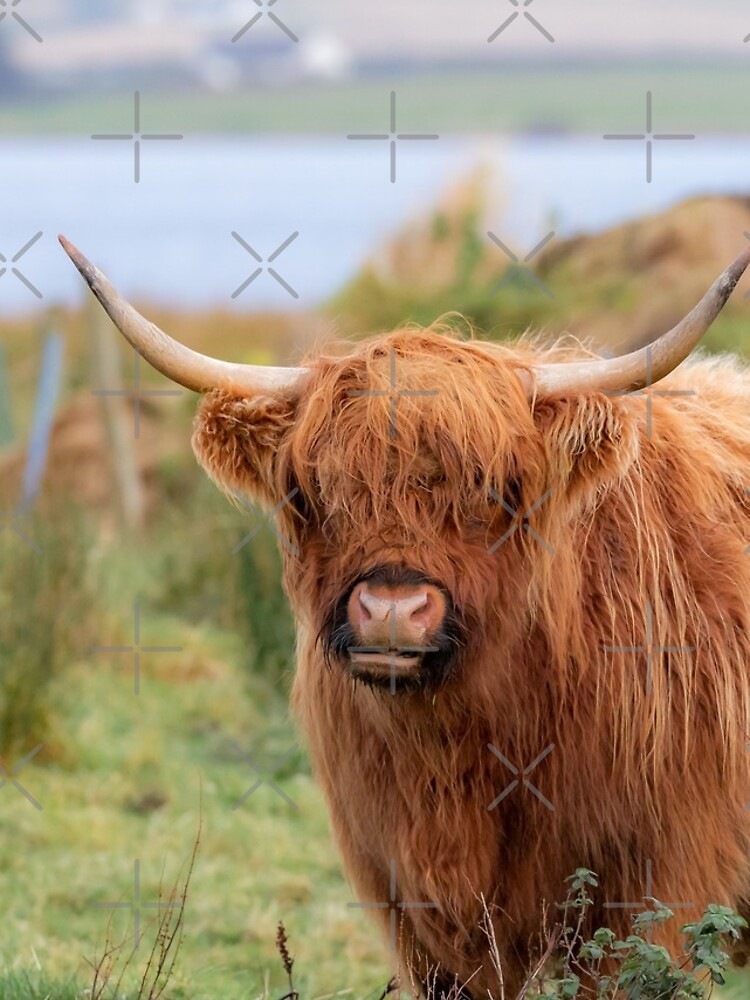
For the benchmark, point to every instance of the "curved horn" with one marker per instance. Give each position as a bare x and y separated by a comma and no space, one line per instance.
195,371
648,365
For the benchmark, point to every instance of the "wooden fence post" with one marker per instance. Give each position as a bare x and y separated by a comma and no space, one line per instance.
118,417
6,420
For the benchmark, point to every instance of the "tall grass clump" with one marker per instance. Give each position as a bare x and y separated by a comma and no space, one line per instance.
199,569
50,615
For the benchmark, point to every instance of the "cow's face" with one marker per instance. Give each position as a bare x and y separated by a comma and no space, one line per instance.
405,466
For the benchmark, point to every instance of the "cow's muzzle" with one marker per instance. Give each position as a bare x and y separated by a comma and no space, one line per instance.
394,628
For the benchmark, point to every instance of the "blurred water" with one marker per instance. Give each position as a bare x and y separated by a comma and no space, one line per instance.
168,238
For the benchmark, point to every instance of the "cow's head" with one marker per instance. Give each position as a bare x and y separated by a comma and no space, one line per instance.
400,473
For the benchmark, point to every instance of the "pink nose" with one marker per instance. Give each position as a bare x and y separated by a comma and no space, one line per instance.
393,617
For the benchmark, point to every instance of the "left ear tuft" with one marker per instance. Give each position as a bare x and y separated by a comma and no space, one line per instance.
236,439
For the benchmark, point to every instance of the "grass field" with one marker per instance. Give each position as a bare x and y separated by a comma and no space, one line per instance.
122,777
138,776
597,98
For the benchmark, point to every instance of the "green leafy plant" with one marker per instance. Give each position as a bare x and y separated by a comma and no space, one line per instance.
603,967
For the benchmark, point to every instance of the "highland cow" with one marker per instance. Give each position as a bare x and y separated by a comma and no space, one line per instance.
523,615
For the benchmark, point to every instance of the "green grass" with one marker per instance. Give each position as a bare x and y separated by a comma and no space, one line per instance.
598,98
140,776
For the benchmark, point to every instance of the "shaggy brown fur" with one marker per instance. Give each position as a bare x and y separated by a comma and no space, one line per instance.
648,765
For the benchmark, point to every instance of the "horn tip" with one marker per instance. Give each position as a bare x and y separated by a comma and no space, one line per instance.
86,268
67,246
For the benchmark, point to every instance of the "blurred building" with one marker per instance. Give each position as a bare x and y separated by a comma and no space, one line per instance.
168,42
104,43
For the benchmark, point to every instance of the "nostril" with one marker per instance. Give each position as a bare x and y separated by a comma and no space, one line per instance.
419,606
429,611
365,612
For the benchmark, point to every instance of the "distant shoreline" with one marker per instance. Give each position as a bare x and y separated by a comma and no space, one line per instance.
557,98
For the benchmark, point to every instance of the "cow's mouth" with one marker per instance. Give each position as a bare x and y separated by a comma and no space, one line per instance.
393,669
397,670
388,660
386,657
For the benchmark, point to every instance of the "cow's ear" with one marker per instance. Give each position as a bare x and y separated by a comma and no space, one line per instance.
587,440
237,440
